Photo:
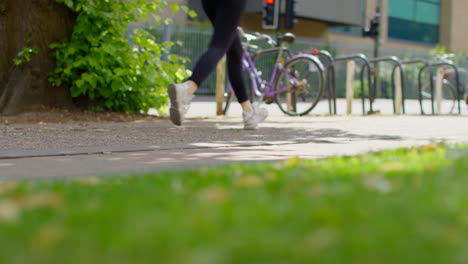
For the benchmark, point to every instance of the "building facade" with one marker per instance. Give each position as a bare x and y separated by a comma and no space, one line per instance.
406,25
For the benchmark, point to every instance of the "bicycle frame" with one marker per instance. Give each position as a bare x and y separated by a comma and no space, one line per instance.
256,80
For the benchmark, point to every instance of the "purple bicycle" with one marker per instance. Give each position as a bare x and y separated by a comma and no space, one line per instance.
296,84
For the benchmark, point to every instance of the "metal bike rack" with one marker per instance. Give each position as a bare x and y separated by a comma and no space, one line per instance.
457,77
331,81
367,65
426,65
397,62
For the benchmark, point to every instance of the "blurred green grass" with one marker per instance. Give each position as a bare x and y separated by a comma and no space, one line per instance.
400,206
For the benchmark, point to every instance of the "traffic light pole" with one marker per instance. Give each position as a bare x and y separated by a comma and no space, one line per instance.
278,29
377,46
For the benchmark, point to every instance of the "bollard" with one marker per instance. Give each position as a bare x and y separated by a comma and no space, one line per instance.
366,65
398,94
220,85
350,86
438,91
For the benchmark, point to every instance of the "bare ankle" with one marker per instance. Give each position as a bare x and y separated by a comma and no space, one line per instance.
247,106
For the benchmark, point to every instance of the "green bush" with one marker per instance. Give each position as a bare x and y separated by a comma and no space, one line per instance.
102,63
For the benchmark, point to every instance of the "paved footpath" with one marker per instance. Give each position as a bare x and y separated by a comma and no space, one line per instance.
88,149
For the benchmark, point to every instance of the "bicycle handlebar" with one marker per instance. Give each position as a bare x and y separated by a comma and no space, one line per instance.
256,36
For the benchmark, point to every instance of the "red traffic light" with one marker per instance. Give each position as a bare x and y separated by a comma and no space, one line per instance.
270,2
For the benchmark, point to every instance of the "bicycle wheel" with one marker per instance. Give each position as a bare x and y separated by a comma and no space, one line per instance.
304,78
449,96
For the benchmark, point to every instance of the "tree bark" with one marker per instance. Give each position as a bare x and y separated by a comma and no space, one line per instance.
26,87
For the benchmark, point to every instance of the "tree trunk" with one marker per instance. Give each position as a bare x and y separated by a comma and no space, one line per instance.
26,87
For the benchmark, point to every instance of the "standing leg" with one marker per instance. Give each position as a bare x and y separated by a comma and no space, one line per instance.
235,70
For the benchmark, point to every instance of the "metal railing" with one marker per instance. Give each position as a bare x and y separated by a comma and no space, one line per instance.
427,65
331,79
397,62
366,61
457,79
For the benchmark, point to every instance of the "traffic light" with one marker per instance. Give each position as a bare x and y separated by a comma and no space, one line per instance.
290,16
271,10
373,30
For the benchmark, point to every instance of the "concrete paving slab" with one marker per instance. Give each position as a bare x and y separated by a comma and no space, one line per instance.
158,145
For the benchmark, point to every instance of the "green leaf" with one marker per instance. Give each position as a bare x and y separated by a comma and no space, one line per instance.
69,3
17,62
192,14
109,104
79,83
175,7
116,85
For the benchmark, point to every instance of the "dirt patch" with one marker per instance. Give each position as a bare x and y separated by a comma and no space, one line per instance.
60,116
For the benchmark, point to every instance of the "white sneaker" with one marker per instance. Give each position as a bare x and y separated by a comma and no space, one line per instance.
252,119
180,102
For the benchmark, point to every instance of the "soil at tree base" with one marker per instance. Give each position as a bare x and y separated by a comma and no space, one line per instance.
59,116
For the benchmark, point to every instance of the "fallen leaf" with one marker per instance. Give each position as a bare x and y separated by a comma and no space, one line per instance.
289,163
86,180
293,161
40,200
429,148
248,181
321,239
214,195
391,167
317,190
271,176
9,211
7,187
47,238
378,183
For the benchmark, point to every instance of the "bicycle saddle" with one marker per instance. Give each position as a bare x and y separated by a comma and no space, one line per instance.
287,38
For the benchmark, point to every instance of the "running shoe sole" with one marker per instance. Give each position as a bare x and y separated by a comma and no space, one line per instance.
174,112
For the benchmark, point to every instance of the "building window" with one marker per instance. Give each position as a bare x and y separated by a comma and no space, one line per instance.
414,20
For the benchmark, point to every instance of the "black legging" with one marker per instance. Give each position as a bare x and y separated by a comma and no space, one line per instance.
225,15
